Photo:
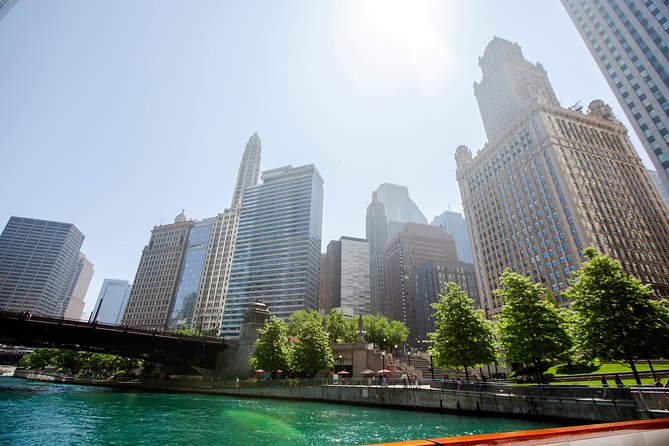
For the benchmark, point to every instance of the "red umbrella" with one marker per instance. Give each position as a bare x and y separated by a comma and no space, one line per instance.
342,372
259,371
367,372
384,372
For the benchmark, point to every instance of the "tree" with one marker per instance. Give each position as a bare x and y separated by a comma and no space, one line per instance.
532,330
310,351
398,333
341,329
464,338
616,318
271,348
299,318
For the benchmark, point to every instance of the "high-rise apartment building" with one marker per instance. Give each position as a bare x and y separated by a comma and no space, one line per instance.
277,253
454,224
377,238
157,277
628,39
40,264
430,281
347,285
552,181
112,299
412,248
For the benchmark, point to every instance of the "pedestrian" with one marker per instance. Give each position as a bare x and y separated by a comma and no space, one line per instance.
619,382
605,385
405,380
414,378
658,382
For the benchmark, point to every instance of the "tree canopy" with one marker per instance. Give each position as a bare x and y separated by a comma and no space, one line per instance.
311,350
341,329
532,330
271,348
616,317
463,338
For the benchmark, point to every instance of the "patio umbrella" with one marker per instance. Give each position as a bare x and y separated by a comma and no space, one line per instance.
367,372
342,372
384,372
259,371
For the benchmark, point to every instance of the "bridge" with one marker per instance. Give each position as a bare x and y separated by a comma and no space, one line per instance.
162,347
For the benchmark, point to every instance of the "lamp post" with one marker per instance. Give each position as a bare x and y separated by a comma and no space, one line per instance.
384,344
383,366
395,350
409,356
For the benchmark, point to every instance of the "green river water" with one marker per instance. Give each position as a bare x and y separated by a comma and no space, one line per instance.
38,413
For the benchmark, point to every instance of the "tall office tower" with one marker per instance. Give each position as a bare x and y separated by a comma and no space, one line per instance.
38,262
454,224
157,275
628,39
182,308
347,284
277,255
208,313
430,281
400,208
80,280
249,169
414,246
552,181
661,188
377,237
112,299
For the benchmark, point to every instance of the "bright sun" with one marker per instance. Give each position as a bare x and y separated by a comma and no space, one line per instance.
394,35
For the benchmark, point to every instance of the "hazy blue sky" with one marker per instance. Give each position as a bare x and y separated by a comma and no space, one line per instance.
115,115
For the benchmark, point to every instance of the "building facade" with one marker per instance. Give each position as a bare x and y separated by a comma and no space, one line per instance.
413,247
430,281
112,299
347,283
276,258
453,223
376,229
80,281
157,276
628,40
39,265
552,181
400,208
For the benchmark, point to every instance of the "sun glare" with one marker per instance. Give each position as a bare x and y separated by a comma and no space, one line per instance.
394,35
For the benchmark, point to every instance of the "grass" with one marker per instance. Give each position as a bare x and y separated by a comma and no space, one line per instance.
607,368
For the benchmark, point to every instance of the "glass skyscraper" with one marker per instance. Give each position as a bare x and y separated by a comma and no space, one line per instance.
277,253
628,39
454,224
39,265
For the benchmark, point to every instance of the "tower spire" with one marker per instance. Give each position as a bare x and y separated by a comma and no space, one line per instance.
249,169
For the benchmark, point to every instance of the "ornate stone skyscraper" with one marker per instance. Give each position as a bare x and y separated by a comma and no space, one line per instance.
249,169
552,181
377,237
628,40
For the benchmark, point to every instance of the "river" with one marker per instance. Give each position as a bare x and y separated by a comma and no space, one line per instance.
39,413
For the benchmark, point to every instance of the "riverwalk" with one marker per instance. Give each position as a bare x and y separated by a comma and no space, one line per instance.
577,404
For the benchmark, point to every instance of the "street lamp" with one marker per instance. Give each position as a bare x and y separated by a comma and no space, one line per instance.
409,356
384,344
383,366
395,350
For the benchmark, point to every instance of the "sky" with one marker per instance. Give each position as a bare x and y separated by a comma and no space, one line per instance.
115,116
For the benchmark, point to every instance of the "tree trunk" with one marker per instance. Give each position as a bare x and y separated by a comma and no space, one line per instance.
650,364
466,374
634,370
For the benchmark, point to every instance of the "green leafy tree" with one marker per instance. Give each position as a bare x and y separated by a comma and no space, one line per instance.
341,329
299,318
398,333
310,351
39,359
616,318
464,338
532,330
376,329
271,348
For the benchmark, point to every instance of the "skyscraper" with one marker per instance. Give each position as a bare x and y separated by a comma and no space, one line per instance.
157,276
454,224
347,276
80,280
628,39
249,169
112,299
409,250
552,181
39,265
277,253
400,208
377,237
